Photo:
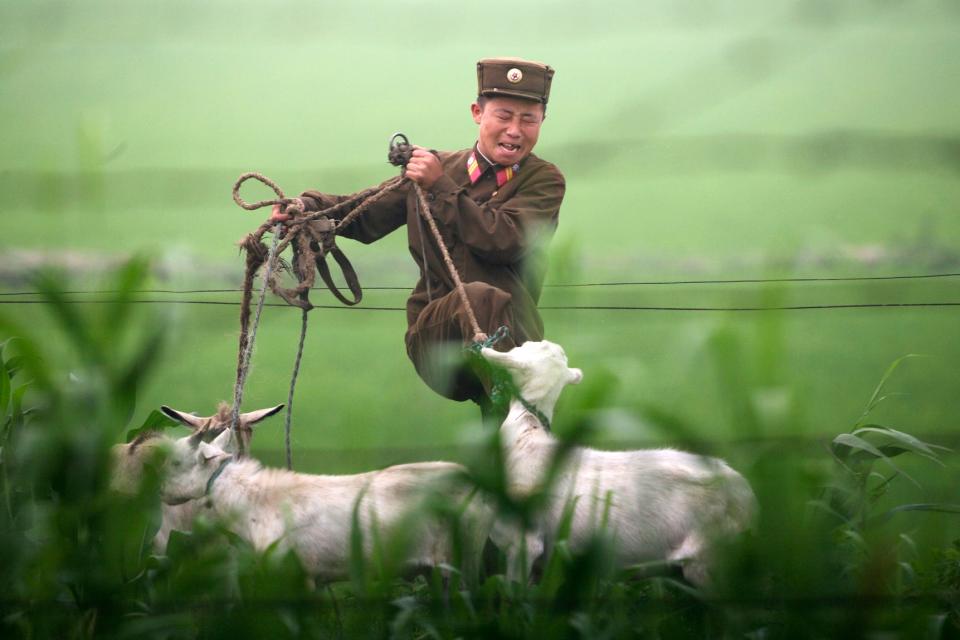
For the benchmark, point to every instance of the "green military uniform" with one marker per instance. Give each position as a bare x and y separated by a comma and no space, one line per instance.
494,229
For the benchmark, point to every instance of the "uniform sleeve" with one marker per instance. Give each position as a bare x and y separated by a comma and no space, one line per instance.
383,217
504,233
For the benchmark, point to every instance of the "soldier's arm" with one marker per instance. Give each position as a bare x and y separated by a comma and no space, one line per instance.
384,216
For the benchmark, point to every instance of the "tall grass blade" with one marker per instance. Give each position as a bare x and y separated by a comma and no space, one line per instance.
875,399
358,565
74,325
6,391
927,507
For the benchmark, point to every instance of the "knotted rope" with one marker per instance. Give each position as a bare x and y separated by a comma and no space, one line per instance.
311,236
246,345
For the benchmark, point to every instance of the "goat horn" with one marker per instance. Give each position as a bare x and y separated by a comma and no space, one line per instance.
196,439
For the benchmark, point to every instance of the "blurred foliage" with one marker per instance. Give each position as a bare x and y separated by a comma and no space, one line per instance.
823,560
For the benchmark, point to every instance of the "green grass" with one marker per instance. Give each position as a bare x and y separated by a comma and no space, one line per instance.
827,556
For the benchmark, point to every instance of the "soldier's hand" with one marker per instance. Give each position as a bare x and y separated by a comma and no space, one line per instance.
276,216
424,167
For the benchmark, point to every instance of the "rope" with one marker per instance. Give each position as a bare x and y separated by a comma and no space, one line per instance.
253,246
478,334
310,244
502,386
399,155
281,199
247,340
293,385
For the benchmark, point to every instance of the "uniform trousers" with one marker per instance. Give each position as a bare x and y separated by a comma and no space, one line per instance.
436,339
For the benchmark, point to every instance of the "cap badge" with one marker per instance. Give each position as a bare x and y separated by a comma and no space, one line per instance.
514,75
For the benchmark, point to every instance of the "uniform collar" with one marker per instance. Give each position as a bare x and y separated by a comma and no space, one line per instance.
477,165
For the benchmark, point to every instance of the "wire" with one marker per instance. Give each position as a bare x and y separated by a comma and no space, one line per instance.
927,276
560,285
804,307
760,280
808,307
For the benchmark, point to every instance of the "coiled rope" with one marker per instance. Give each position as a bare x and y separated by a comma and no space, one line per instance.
312,236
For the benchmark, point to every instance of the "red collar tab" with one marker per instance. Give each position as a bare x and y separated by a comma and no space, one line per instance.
504,174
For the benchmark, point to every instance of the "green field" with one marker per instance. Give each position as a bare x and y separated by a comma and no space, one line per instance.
751,141
701,141
757,140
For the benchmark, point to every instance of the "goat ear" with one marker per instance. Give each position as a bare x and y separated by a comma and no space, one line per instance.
575,375
253,417
210,452
187,419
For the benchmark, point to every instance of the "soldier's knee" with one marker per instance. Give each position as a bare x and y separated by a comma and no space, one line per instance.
485,293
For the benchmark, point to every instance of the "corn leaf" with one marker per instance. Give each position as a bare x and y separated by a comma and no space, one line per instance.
904,440
14,365
858,444
154,422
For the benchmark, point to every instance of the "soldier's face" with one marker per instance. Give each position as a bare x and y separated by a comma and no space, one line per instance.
509,128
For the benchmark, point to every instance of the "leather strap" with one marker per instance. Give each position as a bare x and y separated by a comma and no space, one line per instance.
216,474
324,234
349,275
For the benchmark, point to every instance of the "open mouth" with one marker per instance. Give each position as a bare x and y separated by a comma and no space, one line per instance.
510,148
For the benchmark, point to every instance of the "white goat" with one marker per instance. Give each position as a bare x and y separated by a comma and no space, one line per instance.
313,514
129,460
659,505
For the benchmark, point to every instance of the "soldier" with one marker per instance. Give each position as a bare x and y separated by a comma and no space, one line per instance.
496,204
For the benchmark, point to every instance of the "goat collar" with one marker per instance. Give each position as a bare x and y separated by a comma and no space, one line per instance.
216,474
532,408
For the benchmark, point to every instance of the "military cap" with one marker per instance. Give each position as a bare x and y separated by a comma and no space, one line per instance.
514,77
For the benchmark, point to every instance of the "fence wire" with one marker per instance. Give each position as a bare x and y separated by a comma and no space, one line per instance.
570,285
17,297
799,307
